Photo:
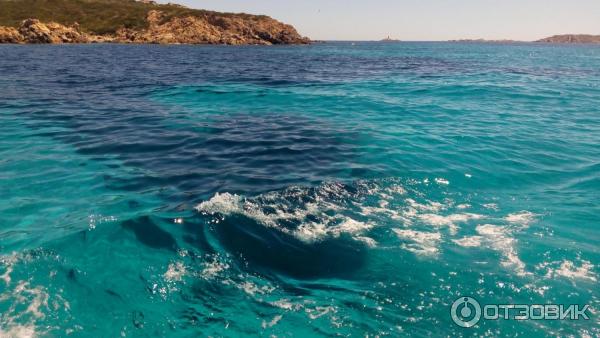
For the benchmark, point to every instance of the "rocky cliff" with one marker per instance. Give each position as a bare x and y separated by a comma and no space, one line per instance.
162,24
211,30
572,38
34,31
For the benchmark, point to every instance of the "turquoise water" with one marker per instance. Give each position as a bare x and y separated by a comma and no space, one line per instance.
329,190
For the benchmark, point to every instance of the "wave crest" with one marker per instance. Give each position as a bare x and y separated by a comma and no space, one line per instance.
308,214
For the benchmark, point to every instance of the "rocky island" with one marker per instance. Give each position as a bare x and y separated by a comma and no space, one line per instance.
130,21
572,38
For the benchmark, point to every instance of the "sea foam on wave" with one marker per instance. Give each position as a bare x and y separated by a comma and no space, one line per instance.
309,214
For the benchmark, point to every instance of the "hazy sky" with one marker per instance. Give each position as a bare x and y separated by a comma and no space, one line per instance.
422,19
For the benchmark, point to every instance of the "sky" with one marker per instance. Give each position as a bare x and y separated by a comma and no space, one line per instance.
422,20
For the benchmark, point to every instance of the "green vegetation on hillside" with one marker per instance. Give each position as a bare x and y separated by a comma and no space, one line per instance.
96,16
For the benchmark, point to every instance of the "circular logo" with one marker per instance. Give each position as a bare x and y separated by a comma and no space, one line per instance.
465,312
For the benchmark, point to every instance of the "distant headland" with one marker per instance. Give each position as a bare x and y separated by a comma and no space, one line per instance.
572,38
130,21
566,38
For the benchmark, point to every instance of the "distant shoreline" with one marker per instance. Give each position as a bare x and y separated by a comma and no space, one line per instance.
463,41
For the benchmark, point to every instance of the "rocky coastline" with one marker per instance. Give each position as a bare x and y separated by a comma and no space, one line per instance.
230,30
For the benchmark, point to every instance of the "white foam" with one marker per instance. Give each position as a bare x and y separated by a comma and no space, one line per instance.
351,226
213,268
370,242
287,305
491,206
253,289
381,210
175,272
325,221
228,204
468,242
442,181
491,231
523,218
499,238
8,262
16,322
422,243
541,290
18,331
429,206
272,323
568,269
6,275
36,298
396,189
449,221
315,231
224,203
319,311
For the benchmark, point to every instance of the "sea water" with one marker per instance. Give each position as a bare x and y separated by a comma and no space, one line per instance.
337,189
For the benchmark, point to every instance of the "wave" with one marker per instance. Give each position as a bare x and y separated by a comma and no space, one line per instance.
418,216
301,232
310,215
